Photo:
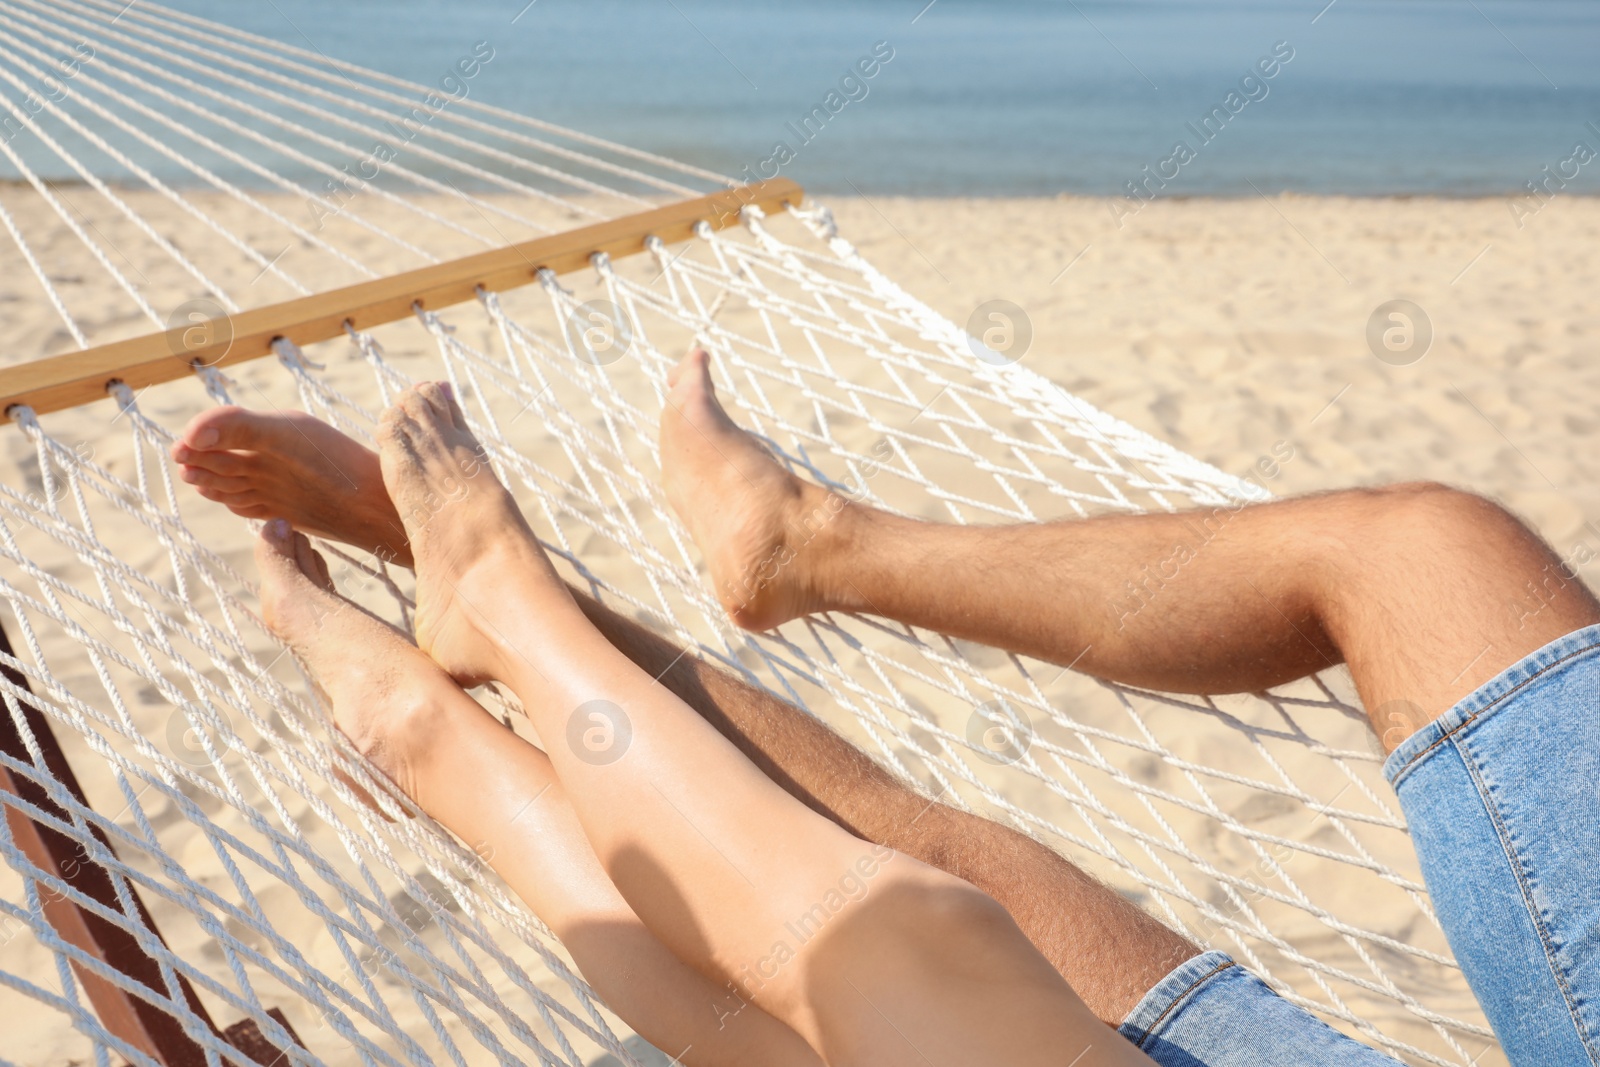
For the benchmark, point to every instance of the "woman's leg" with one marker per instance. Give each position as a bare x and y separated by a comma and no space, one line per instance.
499,794
872,956
287,463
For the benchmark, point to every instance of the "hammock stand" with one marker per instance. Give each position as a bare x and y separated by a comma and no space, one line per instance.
134,1020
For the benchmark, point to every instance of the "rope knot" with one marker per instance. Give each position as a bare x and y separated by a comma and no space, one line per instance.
547,278
216,384
122,394
290,355
24,416
819,220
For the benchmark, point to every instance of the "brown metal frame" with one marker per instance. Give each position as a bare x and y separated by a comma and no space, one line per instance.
135,1020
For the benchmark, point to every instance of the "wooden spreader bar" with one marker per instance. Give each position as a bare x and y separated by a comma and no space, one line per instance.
65,381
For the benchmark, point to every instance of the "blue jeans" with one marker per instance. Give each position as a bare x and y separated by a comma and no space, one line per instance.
1503,796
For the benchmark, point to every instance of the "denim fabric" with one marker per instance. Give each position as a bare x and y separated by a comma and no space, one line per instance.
1503,797
1210,1012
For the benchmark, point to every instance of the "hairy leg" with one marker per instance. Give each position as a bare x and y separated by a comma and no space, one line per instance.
1425,592
499,794
857,947
1109,950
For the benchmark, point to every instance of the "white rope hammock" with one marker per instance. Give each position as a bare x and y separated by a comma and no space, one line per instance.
175,162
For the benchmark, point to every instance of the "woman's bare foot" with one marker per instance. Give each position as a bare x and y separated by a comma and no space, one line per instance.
290,465
387,697
470,543
759,526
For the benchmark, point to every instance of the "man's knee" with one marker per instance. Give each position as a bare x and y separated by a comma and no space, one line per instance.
1435,498
1428,533
1432,516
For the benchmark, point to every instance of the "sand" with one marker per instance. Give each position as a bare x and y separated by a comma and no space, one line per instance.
1234,329
1227,326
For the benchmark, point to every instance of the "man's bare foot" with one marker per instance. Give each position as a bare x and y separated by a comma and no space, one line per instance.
290,465
469,541
759,526
387,697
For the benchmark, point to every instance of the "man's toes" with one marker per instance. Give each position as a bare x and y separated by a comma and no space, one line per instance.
698,370
225,428
238,503
216,460
206,480
397,427
388,422
704,431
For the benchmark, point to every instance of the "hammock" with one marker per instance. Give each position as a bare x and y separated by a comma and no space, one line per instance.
169,747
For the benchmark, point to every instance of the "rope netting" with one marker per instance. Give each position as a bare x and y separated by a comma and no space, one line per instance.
180,162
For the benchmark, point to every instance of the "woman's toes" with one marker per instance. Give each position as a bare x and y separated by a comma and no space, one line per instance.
440,401
432,405
312,564
415,407
275,558
433,394
291,599
694,361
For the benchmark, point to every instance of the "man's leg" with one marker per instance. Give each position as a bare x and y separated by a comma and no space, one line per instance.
1110,951
1474,647
1424,591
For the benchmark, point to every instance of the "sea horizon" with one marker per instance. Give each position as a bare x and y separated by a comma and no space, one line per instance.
975,98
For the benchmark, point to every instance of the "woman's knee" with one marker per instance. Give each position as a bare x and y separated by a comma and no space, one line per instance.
917,918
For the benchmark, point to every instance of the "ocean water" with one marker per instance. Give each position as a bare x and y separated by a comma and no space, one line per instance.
996,97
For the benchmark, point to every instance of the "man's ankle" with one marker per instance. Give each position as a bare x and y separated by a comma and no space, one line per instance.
833,569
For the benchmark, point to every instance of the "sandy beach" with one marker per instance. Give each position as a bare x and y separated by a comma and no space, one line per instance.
1227,326
1237,330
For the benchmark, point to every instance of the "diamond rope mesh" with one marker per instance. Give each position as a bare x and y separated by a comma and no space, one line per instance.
1259,825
